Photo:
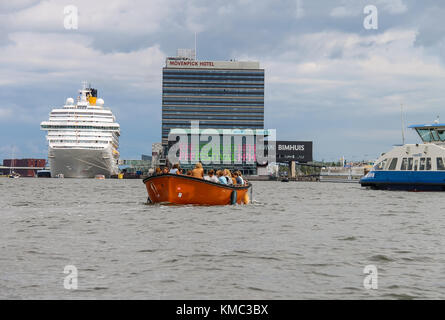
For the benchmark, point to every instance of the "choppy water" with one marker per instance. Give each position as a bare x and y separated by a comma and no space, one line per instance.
296,241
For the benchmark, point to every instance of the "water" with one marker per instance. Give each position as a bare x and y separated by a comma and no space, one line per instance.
296,241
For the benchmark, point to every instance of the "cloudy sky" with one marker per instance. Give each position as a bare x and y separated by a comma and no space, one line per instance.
328,79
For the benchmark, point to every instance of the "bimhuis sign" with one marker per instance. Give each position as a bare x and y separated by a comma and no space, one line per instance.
300,151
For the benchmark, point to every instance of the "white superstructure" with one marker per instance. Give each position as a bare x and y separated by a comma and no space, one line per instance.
83,137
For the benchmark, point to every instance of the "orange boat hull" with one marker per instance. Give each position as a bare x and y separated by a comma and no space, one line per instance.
180,189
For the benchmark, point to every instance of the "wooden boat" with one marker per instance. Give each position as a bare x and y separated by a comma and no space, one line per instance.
181,189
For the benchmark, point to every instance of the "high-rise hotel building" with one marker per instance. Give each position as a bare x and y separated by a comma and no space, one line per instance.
220,94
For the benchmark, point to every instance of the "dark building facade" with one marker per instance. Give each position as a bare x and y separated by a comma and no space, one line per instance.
18,164
220,94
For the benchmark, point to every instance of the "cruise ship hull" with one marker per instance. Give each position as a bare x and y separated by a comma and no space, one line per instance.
81,163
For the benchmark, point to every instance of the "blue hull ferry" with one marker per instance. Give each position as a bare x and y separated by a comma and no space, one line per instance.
414,167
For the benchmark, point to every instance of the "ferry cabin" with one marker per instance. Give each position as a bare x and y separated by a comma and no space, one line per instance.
412,166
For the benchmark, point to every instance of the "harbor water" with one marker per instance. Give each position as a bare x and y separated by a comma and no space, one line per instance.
298,240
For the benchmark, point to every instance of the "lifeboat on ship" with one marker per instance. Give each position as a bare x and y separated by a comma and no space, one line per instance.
182,190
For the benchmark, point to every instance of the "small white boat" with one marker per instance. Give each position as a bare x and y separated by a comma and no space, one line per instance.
43,174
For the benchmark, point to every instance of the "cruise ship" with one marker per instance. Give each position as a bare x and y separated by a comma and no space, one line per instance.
83,137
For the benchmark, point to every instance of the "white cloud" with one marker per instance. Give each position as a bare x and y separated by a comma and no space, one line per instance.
6,6
354,8
33,58
340,12
393,6
372,73
135,16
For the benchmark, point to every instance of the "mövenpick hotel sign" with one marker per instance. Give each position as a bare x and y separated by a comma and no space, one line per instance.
184,63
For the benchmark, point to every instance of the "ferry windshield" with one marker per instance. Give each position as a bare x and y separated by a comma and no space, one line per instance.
381,165
431,134
425,135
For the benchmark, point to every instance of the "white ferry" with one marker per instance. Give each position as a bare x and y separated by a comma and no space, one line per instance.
83,137
416,167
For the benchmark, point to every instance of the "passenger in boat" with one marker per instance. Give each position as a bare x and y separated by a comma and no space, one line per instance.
165,170
221,177
175,169
239,178
189,172
198,171
232,175
214,178
211,176
244,179
158,171
228,176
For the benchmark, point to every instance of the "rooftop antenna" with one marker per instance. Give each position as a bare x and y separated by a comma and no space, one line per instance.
195,48
403,124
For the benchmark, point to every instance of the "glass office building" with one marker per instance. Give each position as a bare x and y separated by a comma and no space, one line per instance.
220,94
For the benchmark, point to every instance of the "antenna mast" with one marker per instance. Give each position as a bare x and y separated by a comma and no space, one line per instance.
195,48
403,124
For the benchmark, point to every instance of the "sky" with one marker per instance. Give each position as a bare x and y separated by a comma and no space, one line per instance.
328,79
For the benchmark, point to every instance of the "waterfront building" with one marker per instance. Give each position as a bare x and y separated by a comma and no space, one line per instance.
24,167
157,155
135,166
218,94
233,151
